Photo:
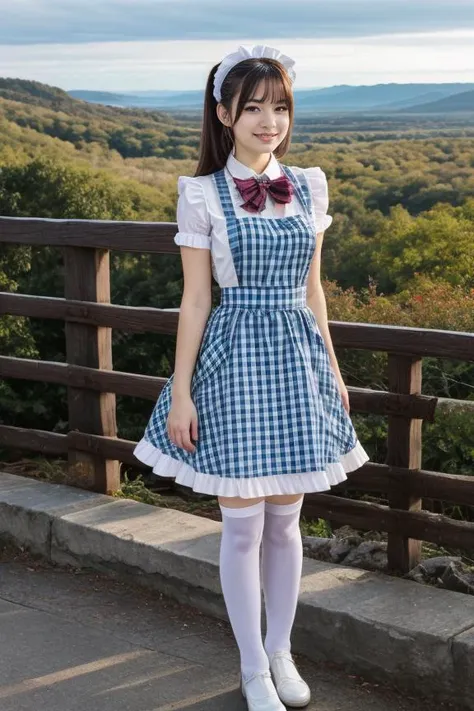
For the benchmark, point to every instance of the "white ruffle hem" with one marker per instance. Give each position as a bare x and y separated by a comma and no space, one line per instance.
302,483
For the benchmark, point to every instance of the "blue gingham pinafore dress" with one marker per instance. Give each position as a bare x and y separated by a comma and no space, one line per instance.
270,416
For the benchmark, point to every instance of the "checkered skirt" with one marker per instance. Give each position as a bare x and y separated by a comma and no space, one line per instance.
270,416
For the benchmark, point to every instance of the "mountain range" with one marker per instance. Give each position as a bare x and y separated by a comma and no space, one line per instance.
383,98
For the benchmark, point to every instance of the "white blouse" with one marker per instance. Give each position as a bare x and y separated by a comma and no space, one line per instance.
202,224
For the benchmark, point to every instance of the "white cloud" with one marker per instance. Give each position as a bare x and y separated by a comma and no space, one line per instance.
122,66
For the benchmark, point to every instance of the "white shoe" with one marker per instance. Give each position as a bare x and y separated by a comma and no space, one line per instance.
291,688
260,693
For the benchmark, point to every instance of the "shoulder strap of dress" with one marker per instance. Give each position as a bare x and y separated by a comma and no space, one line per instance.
301,188
224,194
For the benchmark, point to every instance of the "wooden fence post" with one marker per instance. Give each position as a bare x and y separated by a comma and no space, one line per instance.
87,278
403,450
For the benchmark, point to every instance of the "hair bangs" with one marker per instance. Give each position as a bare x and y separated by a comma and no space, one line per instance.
276,86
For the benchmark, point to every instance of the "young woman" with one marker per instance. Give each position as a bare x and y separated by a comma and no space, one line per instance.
256,411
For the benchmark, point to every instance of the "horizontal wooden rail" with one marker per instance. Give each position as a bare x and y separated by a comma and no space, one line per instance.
123,236
144,386
33,440
402,340
446,405
125,318
382,402
418,525
60,444
121,449
379,478
367,336
149,387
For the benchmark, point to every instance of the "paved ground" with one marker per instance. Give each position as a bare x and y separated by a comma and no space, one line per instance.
74,640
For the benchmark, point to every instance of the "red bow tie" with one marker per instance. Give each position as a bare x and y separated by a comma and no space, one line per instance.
254,191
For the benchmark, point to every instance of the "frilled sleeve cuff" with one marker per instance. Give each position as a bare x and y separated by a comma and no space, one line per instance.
318,186
194,225
322,222
187,239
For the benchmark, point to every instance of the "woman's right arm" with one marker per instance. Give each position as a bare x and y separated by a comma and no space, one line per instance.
194,238
194,312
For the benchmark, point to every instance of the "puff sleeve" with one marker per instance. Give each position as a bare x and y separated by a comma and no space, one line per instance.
318,186
194,225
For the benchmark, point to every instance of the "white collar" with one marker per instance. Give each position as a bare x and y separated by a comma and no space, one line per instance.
239,170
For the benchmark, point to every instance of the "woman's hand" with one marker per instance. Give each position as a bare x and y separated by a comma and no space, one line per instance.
182,423
344,393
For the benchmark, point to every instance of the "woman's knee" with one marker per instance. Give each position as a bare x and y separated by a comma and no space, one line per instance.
236,502
283,499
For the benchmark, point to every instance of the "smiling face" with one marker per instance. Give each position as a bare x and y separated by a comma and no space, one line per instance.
264,121
257,107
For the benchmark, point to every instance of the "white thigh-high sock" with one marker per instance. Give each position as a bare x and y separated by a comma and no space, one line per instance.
240,581
282,560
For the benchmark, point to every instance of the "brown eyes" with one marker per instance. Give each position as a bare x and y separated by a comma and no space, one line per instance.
278,108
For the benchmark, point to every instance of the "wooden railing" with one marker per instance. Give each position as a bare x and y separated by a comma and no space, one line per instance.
92,446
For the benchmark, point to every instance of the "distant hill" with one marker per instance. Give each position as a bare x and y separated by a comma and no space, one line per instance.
147,100
417,100
103,97
379,97
52,97
341,98
129,131
455,103
34,92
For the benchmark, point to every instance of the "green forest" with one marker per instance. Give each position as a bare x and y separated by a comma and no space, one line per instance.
400,250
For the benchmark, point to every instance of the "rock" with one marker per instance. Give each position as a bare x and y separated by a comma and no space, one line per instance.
432,569
369,555
354,540
447,572
453,579
315,547
339,549
435,567
375,536
349,548
352,550
346,532
417,575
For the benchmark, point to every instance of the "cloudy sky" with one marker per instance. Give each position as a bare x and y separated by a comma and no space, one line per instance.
120,45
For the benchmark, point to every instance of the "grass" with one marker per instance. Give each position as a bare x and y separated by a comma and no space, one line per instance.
319,528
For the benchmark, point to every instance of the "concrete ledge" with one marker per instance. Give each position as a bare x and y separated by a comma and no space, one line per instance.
417,638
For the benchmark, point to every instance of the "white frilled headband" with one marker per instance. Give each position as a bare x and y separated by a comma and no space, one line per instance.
243,53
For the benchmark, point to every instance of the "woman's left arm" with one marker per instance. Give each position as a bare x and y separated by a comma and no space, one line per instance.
316,300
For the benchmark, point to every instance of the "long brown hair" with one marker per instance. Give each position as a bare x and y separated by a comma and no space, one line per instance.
217,139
